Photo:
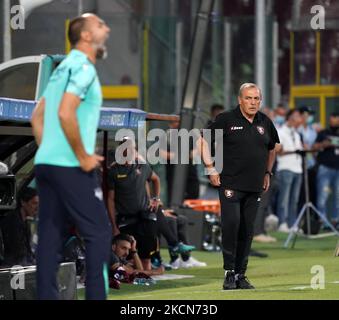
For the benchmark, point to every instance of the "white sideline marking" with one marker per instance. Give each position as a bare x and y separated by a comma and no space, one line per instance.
309,287
157,278
300,288
171,277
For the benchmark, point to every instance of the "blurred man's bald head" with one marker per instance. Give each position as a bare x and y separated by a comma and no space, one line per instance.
79,24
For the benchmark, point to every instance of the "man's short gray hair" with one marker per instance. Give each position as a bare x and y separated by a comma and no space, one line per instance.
248,85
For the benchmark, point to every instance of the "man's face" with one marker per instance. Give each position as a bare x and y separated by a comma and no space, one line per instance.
31,206
99,33
296,119
304,117
280,111
121,249
249,101
334,121
129,151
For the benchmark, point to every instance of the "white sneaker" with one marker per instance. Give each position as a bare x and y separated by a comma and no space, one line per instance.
185,264
284,228
263,238
192,262
298,231
272,239
176,264
271,223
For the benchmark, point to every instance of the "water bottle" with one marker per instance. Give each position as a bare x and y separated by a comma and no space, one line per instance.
144,282
139,281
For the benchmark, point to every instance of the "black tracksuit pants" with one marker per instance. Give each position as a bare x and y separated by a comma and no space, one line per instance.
71,195
165,230
178,226
238,212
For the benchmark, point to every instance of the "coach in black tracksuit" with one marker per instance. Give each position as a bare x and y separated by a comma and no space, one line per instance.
249,139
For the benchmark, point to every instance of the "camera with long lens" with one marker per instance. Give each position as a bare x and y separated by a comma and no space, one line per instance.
7,189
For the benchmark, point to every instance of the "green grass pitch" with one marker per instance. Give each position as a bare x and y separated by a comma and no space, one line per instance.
284,275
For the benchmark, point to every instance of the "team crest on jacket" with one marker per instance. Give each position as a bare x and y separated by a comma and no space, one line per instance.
261,130
229,193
